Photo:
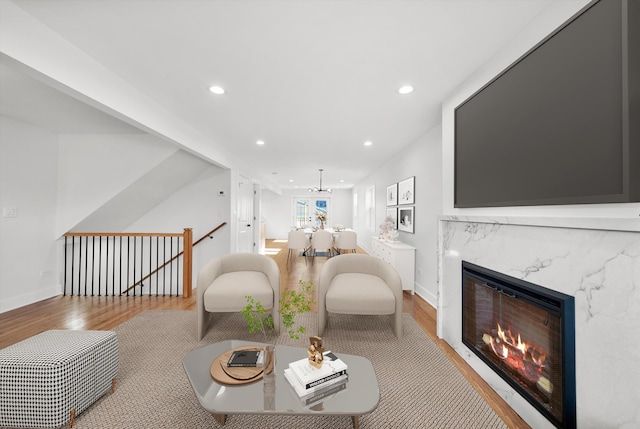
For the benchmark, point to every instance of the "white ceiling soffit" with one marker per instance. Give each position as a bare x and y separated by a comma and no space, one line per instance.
27,100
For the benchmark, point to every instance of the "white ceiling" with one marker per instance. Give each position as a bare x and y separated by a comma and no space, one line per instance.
313,79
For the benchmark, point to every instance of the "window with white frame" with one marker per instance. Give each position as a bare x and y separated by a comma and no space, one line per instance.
370,207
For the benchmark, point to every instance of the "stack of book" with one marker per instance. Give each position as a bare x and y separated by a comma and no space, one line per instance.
312,383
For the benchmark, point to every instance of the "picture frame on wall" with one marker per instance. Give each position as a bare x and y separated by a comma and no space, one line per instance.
406,191
392,212
392,195
406,219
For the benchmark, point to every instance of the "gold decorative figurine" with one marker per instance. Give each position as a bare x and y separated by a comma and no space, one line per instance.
315,351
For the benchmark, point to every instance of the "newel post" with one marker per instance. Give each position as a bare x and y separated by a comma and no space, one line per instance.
187,273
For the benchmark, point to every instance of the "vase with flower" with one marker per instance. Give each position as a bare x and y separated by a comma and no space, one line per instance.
322,217
387,228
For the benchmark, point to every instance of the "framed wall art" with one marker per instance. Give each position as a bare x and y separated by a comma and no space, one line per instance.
406,219
406,191
392,212
392,195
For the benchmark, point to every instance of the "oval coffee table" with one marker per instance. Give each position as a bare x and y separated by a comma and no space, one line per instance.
360,395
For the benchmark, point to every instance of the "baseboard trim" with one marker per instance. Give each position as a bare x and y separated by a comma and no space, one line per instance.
431,299
29,298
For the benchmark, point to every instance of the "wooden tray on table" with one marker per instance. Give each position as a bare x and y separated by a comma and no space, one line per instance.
235,374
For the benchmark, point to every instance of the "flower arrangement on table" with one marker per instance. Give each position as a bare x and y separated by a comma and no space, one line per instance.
322,217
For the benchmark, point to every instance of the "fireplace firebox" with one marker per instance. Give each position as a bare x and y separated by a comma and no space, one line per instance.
526,334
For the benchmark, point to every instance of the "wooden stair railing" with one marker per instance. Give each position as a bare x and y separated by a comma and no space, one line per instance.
186,253
208,234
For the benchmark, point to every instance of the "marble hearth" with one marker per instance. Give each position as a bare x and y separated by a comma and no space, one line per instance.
597,261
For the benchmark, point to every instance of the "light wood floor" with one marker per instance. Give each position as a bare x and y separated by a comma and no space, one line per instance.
108,312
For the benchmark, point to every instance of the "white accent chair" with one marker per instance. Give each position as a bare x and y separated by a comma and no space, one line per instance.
297,240
359,284
224,283
322,240
346,241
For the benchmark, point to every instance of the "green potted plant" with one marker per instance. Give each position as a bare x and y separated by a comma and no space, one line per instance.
292,303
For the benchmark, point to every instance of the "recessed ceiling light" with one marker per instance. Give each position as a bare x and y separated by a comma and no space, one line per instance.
260,142
406,89
368,143
290,180
341,180
218,90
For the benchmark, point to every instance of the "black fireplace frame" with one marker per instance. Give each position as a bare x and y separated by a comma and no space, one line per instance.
555,302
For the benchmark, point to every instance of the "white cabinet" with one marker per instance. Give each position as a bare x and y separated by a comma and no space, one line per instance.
401,256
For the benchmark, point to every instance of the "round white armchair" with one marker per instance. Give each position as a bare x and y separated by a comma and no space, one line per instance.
359,284
224,283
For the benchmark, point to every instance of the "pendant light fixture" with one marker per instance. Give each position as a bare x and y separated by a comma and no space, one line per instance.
319,189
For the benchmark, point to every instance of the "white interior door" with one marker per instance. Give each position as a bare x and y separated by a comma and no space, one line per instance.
245,215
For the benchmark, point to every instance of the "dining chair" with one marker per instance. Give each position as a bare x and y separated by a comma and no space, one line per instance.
346,242
323,240
298,240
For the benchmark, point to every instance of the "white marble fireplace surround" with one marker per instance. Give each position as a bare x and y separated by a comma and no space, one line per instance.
597,261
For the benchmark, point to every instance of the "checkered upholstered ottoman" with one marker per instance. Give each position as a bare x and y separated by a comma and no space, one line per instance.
47,379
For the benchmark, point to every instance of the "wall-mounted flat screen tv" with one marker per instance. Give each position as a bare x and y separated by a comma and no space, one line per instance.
561,124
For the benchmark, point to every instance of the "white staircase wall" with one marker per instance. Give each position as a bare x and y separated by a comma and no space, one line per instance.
144,193
93,169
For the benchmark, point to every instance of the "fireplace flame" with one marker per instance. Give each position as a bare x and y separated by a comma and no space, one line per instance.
517,354
516,343
521,346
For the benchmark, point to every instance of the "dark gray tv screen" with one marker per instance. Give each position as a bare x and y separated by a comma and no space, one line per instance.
560,125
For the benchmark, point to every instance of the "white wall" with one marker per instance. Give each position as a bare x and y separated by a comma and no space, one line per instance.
421,159
278,212
28,172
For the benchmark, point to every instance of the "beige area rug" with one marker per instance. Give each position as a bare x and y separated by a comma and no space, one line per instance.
419,386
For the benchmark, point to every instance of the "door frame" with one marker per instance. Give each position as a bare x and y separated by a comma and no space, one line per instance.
312,206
